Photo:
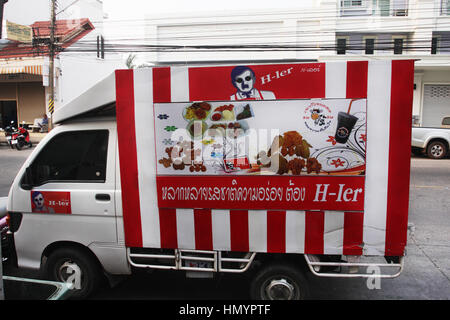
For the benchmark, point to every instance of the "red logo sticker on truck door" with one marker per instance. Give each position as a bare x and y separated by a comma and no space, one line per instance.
50,202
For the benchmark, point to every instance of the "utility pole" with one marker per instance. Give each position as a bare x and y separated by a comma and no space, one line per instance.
51,72
2,3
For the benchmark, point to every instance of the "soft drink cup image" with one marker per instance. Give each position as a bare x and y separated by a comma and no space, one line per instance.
345,125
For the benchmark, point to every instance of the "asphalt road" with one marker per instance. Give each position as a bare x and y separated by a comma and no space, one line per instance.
427,265
10,162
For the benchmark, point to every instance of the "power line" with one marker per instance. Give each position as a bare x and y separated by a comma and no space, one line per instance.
408,45
235,48
233,33
74,2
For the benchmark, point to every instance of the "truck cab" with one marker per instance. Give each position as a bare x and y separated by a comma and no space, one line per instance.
75,169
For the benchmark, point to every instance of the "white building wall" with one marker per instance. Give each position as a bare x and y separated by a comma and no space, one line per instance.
79,72
222,31
287,28
312,27
309,29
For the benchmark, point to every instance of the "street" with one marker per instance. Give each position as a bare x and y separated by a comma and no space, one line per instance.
427,264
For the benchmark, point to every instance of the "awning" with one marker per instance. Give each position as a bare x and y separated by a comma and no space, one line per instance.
31,69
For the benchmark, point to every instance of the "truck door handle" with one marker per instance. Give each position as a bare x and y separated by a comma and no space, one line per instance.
102,197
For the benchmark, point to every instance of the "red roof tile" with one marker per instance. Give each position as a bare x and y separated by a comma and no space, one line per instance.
63,27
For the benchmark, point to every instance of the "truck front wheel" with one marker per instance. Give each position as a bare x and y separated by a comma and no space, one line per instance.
437,150
76,267
279,282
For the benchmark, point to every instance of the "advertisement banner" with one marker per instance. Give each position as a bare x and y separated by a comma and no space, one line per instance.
18,32
287,137
257,82
262,192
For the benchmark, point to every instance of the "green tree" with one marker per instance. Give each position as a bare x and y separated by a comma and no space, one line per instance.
130,61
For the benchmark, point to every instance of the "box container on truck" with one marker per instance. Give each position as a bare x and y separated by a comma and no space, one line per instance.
272,169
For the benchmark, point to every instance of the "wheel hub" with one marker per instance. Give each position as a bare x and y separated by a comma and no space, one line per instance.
70,272
280,289
436,150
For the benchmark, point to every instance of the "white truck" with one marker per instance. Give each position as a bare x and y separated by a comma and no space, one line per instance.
259,168
434,142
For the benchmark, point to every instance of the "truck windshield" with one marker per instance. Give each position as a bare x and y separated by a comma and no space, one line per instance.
75,156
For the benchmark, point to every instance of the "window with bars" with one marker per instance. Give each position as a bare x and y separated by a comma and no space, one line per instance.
434,45
399,8
369,46
445,7
100,47
398,45
382,8
341,45
353,7
351,3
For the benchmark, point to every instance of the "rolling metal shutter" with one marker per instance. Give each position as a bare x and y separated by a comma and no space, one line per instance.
436,105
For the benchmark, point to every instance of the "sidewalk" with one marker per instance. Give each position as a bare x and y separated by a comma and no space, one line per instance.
35,137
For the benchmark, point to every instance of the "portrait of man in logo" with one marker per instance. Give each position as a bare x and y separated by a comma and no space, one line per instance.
243,79
38,204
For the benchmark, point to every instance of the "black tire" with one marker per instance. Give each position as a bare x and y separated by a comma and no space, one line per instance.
417,151
30,145
19,145
437,150
58,263
279,282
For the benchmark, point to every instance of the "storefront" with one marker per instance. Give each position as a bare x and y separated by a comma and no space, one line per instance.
22,94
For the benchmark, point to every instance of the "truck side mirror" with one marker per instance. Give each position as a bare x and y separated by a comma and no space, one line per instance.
27,180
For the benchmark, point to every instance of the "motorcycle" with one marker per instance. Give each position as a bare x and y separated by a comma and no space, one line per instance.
9,130
21,138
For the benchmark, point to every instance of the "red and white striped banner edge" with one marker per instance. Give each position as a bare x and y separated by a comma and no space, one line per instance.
380,230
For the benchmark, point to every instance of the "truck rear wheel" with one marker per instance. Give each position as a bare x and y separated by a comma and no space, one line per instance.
279,282
77,267
437,150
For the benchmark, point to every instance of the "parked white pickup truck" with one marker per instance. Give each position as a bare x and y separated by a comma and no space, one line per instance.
434,142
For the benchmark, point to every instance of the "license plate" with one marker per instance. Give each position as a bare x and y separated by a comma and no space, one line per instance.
198,264
14,142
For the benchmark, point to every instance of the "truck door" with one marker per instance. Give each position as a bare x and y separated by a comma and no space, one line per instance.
72,194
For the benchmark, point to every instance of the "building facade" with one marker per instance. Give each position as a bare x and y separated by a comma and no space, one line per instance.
24,67
327,30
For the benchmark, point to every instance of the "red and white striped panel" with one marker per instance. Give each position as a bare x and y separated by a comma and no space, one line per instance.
379,230
321,232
